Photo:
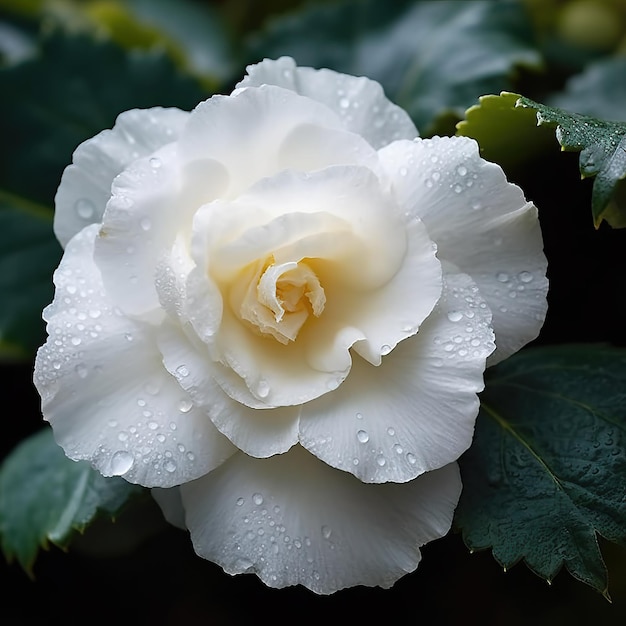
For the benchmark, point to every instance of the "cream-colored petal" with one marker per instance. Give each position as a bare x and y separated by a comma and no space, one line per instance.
294,520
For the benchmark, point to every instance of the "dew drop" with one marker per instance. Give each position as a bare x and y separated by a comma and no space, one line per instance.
502,277
455,316
81,371
145,223
344,103
380,460
391,431
410,457
326,532
155,162
85,208
362,436
385,349
169,466
185,405
359,416
263,388
403,171
121,462
76,341
257,498
182,371
526,277
461,170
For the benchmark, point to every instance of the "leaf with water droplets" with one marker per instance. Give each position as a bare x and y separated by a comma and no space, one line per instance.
45,497
501,121
545,474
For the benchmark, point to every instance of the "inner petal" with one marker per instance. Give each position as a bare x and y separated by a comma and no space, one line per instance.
280,298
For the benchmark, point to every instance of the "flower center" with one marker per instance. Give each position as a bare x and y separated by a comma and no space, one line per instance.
280,298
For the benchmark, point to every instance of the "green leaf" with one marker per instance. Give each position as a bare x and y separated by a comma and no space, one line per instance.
602,147
57,100
501,126
599,91
506,135
545,474
433,58
50,104
45,497
29,253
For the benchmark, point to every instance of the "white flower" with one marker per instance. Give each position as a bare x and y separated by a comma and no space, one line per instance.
276,300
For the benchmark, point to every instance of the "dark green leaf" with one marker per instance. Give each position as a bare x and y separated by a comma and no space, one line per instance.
599,91
45,497
501,120
71,91
432,58
602,147
75,88
545,474
29,253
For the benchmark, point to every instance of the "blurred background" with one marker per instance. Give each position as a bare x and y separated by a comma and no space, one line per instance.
69,67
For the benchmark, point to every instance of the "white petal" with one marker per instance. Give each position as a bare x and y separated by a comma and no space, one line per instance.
360,102
416,411
153,203
482,224
293,520
257,432
105,391
251,133
86,184
171,503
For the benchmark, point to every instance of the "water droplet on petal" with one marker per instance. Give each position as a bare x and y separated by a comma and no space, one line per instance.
182,371
263,388
185,405
155,162
169,466
526,277
257,498
121,462
362,436
85,208
326,532
502,277
145,223
455,316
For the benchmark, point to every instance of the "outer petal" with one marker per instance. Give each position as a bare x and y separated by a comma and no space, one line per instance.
293,520
482,224
86,184
416,411
359,101
105,390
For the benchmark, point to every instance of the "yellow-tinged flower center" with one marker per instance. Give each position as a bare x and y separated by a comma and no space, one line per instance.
280,297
